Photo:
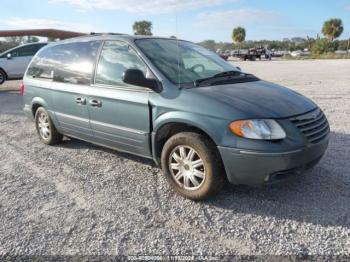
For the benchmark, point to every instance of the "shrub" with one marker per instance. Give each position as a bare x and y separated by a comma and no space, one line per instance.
322,46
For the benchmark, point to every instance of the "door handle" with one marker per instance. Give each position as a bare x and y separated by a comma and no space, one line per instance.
95,103
80,101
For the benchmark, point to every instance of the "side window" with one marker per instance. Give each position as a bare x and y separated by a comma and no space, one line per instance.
29,50
116,57
73,63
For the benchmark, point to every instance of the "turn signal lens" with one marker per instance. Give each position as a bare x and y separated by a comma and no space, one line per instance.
263,129
235,127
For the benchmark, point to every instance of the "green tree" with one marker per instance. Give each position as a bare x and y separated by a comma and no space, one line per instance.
5,45
209,44
322,46
52,39
333,28
16,39
238,35
142,28
32,39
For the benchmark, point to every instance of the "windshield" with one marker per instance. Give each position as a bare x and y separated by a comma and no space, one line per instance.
183,62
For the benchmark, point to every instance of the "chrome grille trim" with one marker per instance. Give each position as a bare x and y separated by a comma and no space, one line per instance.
313,125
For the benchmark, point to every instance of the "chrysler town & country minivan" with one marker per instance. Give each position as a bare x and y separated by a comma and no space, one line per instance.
202,120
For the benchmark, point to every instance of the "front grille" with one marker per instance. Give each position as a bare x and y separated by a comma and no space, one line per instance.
313,125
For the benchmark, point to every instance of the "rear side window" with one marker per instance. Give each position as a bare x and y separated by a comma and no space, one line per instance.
116,57
71,63
42,65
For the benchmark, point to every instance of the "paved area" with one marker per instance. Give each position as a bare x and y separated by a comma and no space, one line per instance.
77,198
13,85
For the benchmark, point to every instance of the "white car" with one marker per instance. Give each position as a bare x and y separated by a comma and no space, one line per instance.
299,53
341,52
296,53
14,62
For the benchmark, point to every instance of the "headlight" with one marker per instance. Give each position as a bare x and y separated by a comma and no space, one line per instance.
265,129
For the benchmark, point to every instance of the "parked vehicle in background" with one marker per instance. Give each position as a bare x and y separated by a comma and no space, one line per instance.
224,56
14,62
297,53
300,53
342,52
234,52
280,53
254,53
198,117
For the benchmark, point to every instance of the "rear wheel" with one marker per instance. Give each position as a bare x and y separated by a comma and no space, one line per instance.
45,128
2,77
192,166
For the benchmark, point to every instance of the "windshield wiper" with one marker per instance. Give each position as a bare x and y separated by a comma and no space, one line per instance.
229,73
224,76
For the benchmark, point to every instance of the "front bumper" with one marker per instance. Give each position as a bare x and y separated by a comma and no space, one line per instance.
258,168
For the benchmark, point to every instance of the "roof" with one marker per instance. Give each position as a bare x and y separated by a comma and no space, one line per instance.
13,48
53,33
63,34
113,36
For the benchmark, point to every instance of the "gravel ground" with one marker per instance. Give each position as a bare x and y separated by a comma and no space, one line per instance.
77,198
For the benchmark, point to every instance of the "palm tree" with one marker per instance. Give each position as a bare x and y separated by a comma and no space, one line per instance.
238,35
142,28
333,28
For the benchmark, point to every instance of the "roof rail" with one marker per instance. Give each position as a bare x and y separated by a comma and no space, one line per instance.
97,34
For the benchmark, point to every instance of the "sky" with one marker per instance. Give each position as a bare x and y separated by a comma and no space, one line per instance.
193,20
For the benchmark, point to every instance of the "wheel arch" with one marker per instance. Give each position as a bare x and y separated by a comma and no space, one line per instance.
3,70
170,126
36,103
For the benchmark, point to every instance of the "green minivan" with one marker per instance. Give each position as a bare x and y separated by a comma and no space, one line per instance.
201,119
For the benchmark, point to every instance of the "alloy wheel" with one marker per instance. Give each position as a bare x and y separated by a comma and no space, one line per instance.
44,126
187,167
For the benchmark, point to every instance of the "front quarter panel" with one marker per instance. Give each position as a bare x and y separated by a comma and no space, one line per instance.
214,127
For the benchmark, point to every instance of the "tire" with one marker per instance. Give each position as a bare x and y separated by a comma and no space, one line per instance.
2,76
45,128
198,171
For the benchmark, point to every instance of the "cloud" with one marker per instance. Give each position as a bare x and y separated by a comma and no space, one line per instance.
230,18
144,6
34,23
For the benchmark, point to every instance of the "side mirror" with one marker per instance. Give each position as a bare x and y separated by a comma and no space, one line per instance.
137,78
238,68
9,56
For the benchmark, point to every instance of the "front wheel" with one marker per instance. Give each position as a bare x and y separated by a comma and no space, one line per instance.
2,77
192,166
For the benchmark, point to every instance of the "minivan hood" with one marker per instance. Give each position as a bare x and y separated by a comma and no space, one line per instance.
259,99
